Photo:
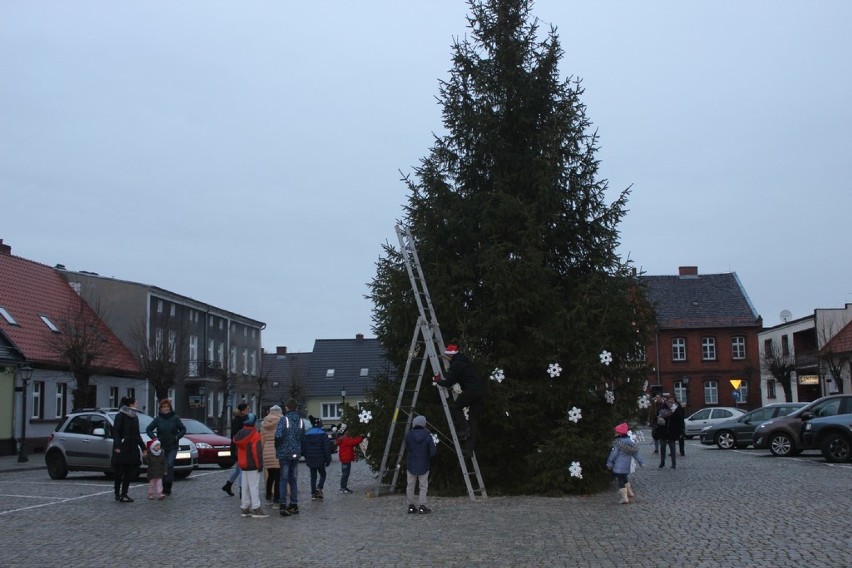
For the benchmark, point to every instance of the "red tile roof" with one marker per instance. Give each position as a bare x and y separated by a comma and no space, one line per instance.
840,343
29,290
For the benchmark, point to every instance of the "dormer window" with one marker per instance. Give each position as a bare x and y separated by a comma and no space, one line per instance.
365,371
7,316
329,374
49,323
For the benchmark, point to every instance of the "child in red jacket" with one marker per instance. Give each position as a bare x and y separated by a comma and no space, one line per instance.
346,453
249,443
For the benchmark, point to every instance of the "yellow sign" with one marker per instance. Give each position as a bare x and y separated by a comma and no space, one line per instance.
736,383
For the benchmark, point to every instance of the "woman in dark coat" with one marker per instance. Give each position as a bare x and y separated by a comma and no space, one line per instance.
168,428
671,431
126,444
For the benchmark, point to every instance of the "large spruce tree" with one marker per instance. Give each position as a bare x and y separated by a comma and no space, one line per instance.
518,246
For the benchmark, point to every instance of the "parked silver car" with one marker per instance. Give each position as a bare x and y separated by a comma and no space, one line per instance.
694,423
83,442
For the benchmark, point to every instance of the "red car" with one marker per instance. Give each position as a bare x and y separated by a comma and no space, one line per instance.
212,448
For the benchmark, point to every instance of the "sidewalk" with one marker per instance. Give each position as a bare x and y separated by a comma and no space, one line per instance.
11,463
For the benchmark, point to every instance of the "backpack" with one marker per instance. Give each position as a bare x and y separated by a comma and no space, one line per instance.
289,437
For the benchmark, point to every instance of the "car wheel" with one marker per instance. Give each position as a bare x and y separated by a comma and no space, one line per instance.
781,445
725,440
56,466
836,448
182,474
689,436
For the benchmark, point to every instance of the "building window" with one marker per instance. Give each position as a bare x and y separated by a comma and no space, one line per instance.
221,324
738,347
232,364
331,410
245,331
131,392
222,355
38,399
711,392
50,325
708,348
679,349
172,350
113,397
172,310
785,346
210,321
770,389
159,306
680,391
365,372
158,344
61,399
193,355
245,362
211,351
253,359
743,392
329,374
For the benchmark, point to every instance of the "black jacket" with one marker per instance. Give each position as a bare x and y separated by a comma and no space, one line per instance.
674,427
126,438
463,372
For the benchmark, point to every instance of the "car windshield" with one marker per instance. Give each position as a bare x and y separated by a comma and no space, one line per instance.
196,427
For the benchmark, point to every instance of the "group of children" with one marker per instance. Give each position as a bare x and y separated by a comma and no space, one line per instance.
314,446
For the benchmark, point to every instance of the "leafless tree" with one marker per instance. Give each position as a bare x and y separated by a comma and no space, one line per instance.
162,348
834,362
781,365
81,343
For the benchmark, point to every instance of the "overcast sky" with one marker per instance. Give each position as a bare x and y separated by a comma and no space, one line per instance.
248,154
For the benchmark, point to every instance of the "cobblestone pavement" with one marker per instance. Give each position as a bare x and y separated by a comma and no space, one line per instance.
718,508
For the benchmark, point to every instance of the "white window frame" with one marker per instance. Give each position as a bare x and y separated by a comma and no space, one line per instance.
211,350
738,347
193,356
770,389
172,343
365,372
678,349
253,362
711,392
245,361
708,348
50,325
61,399
113,397
329,374
232,364
331,410
158,343
38,393
680,391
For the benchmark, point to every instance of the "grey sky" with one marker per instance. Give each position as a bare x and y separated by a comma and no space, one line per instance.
247,154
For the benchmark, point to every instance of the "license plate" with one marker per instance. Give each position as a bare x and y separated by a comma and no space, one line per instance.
183,455
226,453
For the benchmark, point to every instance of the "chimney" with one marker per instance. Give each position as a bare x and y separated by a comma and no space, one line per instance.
281,350
689,271
359,337
5,249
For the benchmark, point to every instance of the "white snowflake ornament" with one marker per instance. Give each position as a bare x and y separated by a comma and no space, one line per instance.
575,414
606,357
497,375
435,438
644,401
645,386
575,470
609,396
365,416
554,370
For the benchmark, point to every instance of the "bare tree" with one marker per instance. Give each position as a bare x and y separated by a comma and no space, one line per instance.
81,343
781,365
834,361
163,352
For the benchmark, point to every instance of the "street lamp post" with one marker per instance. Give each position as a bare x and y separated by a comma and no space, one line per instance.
343,397
26,373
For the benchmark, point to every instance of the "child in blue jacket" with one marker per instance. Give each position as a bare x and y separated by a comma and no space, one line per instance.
619,460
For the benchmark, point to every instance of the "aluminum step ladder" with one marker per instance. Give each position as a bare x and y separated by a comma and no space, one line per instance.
427,346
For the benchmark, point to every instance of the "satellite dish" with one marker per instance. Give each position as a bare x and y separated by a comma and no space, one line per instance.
785,315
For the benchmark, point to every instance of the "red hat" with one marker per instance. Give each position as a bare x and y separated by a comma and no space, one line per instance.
451,349
622,428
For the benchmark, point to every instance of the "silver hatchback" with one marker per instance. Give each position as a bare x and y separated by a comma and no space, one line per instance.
83,442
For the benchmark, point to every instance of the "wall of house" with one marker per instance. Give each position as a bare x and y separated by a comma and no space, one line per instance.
8,445
790,329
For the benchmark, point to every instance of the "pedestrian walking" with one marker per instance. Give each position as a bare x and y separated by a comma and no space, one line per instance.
346,454
156,470
421,448
126,445
317,452
237,419
462,372
270,459
168,428
620,459
289,437
249,443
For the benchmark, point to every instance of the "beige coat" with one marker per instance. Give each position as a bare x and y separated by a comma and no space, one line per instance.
267,432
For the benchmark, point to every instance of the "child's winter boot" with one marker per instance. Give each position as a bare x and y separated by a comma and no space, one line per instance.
629,490
623,493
